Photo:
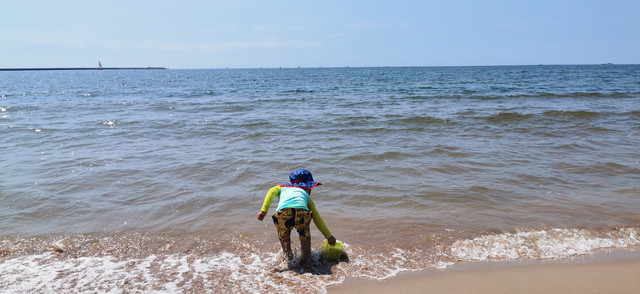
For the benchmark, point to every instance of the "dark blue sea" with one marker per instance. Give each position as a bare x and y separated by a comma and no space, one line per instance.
150,180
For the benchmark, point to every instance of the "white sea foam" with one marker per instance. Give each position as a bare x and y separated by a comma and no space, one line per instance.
225,272
245,268
551,244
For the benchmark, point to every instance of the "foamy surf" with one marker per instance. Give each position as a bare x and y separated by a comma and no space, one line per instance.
242,268
543,244
67,264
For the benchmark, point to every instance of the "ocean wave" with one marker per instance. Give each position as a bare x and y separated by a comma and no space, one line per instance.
576,94
547,116
634,113
297,91
543,244
629,191
580,114
420,120
603,168
517,95
388,155
448,150
508,117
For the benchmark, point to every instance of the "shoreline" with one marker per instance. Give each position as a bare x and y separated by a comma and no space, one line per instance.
614,271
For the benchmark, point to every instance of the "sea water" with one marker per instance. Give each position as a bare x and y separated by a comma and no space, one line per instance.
150,181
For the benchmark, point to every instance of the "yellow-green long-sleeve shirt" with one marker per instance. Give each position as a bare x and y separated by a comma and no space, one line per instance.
317,220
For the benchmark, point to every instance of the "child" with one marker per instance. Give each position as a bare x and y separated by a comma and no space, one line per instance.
295,210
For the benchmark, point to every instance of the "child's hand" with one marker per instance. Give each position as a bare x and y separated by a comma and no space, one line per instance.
331,240
261,215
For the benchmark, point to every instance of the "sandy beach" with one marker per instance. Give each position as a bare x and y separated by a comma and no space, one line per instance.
605,272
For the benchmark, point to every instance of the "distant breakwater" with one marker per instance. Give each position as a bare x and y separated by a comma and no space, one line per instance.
79,68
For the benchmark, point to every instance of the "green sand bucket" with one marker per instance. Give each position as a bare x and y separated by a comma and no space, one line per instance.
332,252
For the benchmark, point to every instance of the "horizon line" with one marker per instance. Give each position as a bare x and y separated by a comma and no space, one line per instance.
299,67
79,68
403,66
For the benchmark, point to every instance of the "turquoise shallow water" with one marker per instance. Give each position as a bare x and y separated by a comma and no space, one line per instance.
421,167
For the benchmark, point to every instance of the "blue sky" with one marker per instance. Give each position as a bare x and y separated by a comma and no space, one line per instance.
219,34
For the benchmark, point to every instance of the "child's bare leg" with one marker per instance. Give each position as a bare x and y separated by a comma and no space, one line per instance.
286,249
306,251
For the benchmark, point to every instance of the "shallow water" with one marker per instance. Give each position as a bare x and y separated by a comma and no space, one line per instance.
151,180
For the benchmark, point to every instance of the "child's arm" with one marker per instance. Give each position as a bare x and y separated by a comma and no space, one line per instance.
317,220
273,192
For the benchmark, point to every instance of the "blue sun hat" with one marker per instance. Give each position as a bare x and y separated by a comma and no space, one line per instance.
301,178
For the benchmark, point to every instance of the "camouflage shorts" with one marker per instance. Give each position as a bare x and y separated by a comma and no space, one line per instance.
289,218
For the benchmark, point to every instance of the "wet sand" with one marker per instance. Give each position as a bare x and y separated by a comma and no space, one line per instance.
605,272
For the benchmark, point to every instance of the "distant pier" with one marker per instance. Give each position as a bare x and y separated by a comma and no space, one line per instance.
80,68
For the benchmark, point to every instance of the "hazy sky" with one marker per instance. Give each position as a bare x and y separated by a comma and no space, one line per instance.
236,33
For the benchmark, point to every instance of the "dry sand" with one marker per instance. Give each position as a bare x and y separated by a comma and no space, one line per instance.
605,272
